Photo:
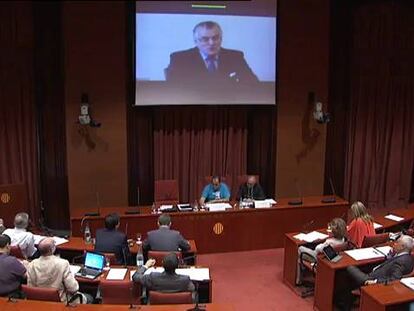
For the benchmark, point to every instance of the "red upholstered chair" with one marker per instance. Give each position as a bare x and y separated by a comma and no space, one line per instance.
40,293
16,252
120,292
158,298
166,192
377,239
159,256
111,257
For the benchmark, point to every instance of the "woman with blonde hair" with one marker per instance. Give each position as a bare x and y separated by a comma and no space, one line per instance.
362,224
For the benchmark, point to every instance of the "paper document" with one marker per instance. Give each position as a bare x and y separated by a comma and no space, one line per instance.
364,253
377,225
314,236
384,249
58,240
166,207
300,236
394,217
217,207
74,269
116,274
262,204
271,201
409,282
195,274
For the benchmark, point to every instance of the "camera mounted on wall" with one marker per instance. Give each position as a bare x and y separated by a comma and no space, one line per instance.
85,118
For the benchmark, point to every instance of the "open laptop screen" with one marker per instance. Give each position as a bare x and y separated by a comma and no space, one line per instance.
94,261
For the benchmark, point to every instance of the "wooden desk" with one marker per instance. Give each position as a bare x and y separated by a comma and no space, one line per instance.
380,297
231,230
30,305
292,244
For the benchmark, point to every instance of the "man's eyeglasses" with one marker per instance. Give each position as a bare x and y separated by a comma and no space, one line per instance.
207,39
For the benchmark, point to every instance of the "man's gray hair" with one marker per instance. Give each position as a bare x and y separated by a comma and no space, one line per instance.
21,220
407,242
207,25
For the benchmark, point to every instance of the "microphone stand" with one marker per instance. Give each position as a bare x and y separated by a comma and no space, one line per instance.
196,307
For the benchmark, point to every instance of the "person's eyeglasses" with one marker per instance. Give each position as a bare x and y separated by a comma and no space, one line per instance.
207,39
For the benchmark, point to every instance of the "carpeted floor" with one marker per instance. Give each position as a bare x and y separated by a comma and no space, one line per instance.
252,281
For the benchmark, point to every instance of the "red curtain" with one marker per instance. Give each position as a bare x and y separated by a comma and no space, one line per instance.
18,156
191,143
380,151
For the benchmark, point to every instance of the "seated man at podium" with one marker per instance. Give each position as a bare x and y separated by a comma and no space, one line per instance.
167,281
164,239
110,240
215,192
20,236
251,190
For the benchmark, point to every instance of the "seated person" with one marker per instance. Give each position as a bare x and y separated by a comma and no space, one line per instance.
164,239
19,235
398,264
362,224
12,270
50,271
167,281
110,240
2,227
251,190
215,192
338,228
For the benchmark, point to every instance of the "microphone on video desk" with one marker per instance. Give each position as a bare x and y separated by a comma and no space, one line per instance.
331,199
298,191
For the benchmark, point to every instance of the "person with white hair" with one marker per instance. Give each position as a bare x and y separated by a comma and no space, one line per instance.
20,236
398,263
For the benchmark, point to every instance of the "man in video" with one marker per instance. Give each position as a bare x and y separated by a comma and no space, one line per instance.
208,64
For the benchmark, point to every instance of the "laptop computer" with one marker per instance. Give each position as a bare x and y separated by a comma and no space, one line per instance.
331,254
94,264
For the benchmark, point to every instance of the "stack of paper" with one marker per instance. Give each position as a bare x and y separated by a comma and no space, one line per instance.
116,274
409,282
369,252
394,217
58,240
216,207
311,237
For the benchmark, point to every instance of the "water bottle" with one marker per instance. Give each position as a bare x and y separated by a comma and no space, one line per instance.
87,234
241,203
153,208
140,256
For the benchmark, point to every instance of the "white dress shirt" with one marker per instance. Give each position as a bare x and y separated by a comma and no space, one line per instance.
24,239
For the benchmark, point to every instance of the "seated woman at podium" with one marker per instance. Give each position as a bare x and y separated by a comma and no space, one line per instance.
338,229
361,225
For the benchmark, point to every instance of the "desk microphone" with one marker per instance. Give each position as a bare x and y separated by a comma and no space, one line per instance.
299,192
134,210
331,199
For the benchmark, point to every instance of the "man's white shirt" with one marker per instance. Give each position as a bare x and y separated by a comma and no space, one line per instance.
24,239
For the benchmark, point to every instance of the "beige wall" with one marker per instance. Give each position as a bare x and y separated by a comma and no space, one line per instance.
303,66
95,63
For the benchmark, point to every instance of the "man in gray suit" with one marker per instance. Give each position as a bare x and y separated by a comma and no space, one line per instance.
167,281
164,239
398,264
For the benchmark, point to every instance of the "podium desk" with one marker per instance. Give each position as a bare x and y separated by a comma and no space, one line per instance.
231,230
29,305
380,297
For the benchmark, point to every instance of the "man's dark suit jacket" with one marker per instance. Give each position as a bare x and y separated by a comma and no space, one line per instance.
166,240
188,67
393,269
256,193
163,282
112,241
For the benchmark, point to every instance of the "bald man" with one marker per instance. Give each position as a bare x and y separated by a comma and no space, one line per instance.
398,264
51,271
251,190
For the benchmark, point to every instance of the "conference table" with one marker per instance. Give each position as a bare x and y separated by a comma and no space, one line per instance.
29,305
231,230
329,274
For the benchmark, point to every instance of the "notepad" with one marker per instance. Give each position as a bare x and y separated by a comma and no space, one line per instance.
116,274
394,217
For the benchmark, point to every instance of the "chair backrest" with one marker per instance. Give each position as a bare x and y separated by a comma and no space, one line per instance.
159,256
166,192
111,257
120,292
16,252
376,239
40,293
159,298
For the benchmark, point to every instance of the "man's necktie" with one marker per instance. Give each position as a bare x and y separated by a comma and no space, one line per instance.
211,66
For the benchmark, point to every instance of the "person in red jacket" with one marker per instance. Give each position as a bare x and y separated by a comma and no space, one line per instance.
361,225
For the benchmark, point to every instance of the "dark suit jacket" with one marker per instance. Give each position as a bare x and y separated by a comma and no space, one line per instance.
166,240
163,282
112,241
188,67
393,268
256,193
